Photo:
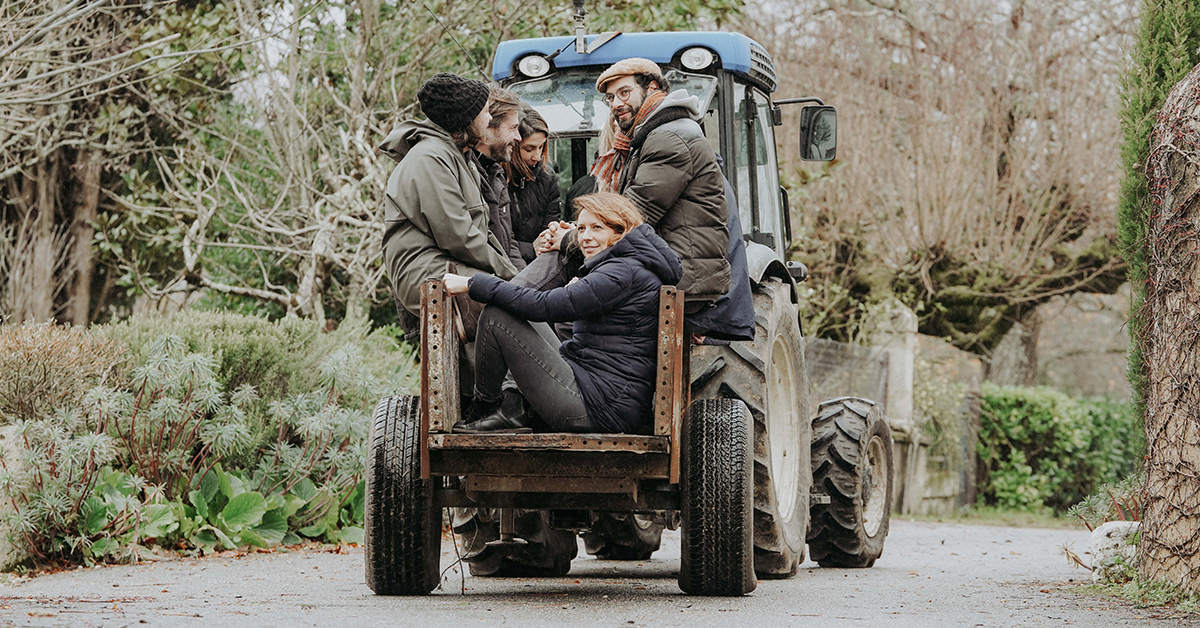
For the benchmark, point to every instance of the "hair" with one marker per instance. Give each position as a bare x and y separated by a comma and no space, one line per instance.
501,104
466,137
643,80
614,210
608,132
531,122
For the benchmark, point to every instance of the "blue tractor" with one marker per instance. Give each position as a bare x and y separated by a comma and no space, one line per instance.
739,459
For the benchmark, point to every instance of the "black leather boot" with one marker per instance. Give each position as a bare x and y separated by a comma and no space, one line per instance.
510,416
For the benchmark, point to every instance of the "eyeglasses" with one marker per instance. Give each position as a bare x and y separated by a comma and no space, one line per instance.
622,94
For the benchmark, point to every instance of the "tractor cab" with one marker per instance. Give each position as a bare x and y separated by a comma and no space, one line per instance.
729,73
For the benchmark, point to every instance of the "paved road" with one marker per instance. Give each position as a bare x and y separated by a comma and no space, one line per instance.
930,575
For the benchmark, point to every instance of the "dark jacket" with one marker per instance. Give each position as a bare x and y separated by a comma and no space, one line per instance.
433,213
614,304
673,178
495,193
535,204
731,317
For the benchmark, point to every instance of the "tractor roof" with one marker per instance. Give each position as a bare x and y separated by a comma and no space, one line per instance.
737,52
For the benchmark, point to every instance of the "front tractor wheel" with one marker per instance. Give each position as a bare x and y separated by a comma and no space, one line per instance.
852,464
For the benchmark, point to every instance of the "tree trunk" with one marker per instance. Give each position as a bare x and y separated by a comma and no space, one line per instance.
1170,546
87,199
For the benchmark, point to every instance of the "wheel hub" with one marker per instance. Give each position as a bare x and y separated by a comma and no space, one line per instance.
874,486
783,423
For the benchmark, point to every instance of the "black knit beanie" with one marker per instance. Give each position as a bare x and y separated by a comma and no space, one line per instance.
451,101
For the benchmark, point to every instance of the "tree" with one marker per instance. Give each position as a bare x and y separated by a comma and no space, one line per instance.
1159,221
975,176
75,119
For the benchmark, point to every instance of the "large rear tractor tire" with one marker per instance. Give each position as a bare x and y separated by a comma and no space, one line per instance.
403,529
623,536
717,495
769,376
852,464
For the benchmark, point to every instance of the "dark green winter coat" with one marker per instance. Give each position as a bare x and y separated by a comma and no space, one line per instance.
434,213
673,178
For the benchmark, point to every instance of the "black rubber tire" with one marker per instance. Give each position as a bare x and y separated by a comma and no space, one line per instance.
403,529
623,536
548,551
717,496
758,372
852,455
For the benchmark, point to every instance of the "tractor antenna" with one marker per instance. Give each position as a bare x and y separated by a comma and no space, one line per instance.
580,28
486,78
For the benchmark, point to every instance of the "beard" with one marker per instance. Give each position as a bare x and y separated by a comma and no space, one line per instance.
626,124
501,152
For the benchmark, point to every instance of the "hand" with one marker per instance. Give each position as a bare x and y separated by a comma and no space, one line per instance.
549,239
455,284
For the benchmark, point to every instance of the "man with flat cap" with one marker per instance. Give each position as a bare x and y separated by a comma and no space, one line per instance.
434,209
662,162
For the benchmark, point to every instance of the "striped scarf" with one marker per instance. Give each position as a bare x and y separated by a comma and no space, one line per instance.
607,167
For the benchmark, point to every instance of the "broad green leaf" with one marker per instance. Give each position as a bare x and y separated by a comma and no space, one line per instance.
160,521
244,510
314,530
250,537
293,504
305,489
353,535
211,483
291,539
96,517
103,547
200,502
273,527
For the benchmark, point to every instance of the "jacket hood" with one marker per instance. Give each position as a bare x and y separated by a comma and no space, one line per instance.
401,140
677,99
643,245
676,106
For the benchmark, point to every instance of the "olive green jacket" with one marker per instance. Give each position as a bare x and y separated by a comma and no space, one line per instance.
434,213
674,179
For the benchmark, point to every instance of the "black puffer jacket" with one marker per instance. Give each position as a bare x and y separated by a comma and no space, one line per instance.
535,204
494,186
614,305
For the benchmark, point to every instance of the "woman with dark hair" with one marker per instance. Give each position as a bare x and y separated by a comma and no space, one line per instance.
532,184
602,379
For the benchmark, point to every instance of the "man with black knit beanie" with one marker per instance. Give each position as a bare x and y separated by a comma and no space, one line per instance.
434,210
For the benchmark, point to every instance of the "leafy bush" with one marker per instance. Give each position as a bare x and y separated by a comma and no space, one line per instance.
46,366
1041,448
194,466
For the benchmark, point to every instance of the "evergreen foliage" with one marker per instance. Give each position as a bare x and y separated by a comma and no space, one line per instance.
1166,49
1041,448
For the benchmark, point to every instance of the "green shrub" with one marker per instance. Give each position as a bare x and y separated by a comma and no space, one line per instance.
47,366
201,458
1041,448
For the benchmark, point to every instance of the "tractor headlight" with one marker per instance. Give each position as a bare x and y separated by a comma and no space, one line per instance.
696,58
533,66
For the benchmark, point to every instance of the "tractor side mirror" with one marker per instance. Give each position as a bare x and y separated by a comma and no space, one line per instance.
818,133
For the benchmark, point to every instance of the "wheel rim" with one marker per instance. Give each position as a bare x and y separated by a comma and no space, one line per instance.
874,486
783,423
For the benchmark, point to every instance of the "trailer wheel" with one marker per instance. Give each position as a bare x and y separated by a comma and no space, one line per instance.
623,536
852,464
769,376
717,497
403,528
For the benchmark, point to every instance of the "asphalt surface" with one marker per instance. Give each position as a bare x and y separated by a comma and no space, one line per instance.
931,574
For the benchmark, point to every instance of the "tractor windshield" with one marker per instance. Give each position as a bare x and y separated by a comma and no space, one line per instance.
573,108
